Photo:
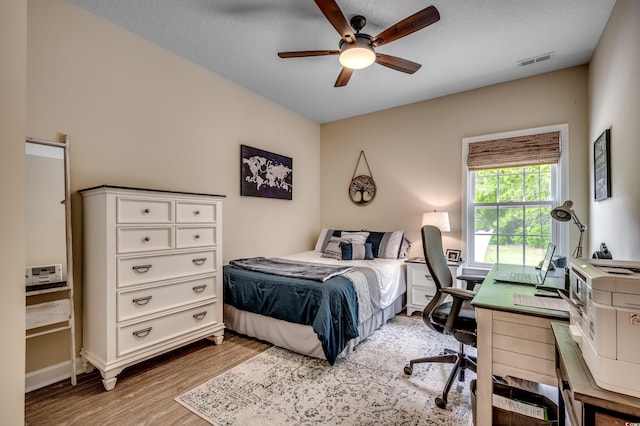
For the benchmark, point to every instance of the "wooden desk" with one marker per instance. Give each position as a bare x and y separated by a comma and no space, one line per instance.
513,340
586,402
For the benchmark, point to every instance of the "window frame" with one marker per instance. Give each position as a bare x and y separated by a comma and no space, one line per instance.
559,191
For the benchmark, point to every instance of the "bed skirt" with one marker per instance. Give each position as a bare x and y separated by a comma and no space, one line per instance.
298,337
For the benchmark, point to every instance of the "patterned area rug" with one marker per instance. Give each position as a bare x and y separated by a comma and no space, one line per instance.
368,387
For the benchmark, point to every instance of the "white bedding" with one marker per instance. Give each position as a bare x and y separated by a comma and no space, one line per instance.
390,271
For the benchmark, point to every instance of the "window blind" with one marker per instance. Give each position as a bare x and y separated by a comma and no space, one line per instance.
530,150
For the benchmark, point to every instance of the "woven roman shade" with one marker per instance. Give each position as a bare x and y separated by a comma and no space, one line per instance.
530,150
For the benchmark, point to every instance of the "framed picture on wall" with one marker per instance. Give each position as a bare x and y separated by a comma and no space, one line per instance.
265,174
602,166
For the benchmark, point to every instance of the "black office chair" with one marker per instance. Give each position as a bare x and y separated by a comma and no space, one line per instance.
454,316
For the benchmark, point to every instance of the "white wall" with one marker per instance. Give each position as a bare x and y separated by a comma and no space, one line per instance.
614,90
140,116
415,151
13,45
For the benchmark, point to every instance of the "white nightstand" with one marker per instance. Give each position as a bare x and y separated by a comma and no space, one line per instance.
420,285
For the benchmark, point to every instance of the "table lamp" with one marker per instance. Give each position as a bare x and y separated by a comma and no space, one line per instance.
564,213
438,219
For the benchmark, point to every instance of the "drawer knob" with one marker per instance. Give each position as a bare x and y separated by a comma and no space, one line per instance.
199,261
199,288
200,315
197,236
141,301
142,333
429,277
196,213
146,211
141,269
146,239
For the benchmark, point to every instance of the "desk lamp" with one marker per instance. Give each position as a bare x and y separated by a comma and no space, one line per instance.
564,213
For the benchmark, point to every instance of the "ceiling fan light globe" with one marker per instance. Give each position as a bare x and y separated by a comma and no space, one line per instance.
357,57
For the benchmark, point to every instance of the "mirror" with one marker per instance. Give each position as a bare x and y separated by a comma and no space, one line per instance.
46,239
49,259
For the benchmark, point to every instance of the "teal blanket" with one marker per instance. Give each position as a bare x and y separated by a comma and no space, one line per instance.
330,307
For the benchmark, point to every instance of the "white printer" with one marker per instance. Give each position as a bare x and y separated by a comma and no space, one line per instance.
605,321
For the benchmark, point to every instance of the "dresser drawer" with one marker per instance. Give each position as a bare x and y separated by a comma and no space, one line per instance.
144,269
145,301
194,212
136,210
131,240
188,237
140,335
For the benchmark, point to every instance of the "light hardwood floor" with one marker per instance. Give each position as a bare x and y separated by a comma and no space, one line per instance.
144,393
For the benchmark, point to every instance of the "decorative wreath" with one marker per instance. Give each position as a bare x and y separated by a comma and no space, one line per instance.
362,189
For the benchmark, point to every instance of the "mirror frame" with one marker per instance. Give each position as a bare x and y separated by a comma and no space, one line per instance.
69,248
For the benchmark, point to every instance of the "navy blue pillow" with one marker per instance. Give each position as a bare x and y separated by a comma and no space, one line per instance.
357,251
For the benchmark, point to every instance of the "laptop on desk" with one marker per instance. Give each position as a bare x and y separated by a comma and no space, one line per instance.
531,275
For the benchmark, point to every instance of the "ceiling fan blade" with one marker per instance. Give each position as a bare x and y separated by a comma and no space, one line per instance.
334,15
343,77
305,53
408,25
397,64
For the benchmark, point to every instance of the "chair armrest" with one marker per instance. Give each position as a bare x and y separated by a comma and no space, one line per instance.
459,293
471,280
459,296
465,277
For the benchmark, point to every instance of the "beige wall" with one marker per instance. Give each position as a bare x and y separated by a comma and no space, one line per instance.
140,116
614,90
13,47
415,151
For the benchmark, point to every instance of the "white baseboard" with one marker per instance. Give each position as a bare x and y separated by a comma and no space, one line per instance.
46,376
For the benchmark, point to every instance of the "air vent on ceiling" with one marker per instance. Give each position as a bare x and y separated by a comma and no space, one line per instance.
536,59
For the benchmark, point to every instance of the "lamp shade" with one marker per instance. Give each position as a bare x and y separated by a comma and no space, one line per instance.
563,212
438,219
357,56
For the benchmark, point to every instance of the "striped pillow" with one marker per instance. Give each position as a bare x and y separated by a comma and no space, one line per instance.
386,245
356,251
359,237
333,249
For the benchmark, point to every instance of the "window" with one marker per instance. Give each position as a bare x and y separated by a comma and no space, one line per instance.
513,181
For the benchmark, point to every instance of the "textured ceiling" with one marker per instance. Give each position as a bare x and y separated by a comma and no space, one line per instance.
476,43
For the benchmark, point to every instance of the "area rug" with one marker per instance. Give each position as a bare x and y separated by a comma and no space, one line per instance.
367,387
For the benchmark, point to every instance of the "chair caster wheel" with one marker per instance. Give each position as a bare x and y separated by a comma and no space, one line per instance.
408,370
441,403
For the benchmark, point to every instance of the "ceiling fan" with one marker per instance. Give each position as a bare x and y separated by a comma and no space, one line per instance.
357,50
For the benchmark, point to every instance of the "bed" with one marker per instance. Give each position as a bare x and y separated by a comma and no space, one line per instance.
321,317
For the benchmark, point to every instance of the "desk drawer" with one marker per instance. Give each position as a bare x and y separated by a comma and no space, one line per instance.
523,346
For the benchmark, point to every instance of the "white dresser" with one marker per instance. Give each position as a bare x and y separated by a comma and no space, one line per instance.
152,274
420,285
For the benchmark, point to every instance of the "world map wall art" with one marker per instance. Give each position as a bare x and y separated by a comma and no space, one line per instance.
265,174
